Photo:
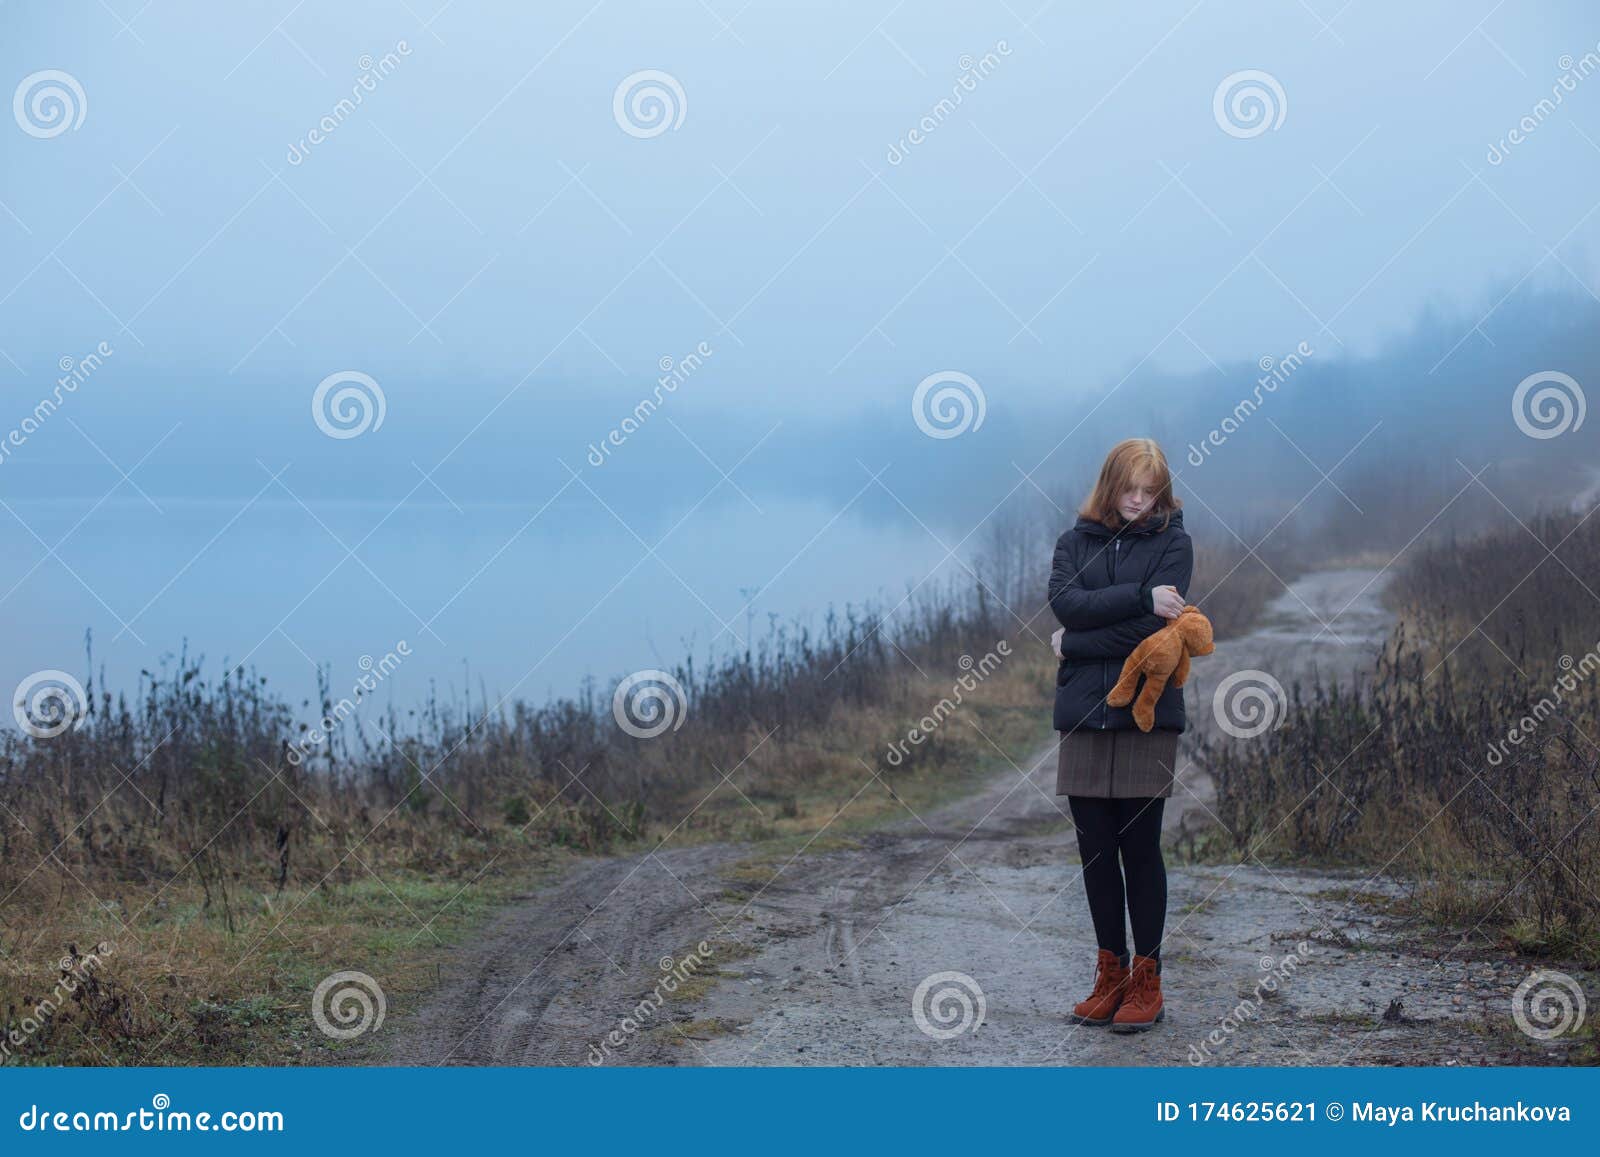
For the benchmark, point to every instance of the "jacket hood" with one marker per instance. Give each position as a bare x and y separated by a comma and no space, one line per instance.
1146,526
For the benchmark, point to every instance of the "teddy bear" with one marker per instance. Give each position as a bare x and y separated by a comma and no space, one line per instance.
1161,657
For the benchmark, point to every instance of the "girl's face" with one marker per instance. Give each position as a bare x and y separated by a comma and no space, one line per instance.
1136,500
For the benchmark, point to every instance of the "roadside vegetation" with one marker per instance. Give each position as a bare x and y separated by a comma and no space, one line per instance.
1467,760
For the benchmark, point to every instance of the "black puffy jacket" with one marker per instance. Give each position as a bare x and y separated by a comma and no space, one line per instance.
1099,584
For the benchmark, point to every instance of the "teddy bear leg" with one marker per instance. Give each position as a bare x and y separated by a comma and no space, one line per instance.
1128,682
1122,694
1144,711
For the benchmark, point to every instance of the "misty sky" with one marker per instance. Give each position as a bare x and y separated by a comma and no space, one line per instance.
480,226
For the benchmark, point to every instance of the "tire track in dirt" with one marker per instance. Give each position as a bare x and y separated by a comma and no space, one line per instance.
549,978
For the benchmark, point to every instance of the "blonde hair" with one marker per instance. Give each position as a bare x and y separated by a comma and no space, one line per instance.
1131,460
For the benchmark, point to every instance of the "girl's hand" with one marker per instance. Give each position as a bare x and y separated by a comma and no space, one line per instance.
1166,601
1055,642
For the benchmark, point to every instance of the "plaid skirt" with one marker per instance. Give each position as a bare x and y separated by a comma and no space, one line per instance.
1116,764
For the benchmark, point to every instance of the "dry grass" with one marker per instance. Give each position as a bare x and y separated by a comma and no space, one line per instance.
1415,770
227,882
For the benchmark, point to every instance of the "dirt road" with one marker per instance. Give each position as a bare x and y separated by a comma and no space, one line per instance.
960,937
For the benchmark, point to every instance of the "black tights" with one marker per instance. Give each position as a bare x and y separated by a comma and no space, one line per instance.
1131,828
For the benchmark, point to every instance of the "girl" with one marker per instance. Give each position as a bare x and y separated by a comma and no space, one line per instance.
1118,575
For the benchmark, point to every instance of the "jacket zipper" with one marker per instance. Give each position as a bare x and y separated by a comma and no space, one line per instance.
1111,778
1111,772
1105,687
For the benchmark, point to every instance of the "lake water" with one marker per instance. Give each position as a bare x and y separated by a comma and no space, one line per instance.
527,602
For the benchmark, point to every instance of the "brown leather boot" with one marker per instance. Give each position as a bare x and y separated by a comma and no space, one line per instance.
1110,983
1142,1005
